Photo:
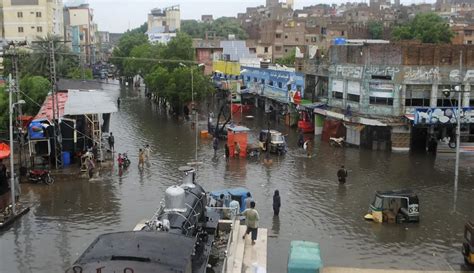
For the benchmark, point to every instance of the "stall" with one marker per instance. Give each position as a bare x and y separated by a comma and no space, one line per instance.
237,135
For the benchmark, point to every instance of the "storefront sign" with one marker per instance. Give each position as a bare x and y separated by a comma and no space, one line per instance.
443,115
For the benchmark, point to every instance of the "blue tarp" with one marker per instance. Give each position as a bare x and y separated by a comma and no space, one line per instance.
239,194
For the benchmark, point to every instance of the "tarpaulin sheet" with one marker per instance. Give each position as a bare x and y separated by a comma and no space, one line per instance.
333,128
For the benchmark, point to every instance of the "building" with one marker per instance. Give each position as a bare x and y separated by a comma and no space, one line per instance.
163,24
30,19
81,31
376,89
207,18
464,35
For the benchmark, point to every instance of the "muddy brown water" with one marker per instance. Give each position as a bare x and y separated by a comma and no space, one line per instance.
67,216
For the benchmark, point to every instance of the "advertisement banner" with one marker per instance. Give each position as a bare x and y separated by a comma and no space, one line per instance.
443,115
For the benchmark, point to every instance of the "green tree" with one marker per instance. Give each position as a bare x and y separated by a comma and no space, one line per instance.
36,89
80,73
179,48
426,27
141,59
38,61
375,29
125,46
3,109
288,60
222,27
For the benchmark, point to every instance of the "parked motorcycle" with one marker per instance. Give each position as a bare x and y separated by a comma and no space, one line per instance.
336,141
40,176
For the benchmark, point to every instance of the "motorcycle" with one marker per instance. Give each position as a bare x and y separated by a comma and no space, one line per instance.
336,141
40,176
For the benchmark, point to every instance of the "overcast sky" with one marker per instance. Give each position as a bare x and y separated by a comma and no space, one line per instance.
119,15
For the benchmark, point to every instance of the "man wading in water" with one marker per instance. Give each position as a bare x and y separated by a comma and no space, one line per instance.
251,220
342,175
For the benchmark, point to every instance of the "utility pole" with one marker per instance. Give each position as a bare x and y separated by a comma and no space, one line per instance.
458,132
57,131
12,163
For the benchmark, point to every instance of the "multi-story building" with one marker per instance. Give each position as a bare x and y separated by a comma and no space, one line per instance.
464,34
80,29
163,24
30,19
379,90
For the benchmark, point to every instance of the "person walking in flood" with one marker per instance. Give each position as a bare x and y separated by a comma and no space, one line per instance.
236,150
342,175
90,166
251,220
141,158
111,140
118,102
227,152
248,200
215,145
276,203
147,152
309,148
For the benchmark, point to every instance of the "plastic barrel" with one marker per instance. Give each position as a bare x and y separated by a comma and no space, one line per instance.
66,158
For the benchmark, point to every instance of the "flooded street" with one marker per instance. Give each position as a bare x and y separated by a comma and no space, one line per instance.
68,215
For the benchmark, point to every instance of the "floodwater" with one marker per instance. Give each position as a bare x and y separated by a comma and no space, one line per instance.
67,216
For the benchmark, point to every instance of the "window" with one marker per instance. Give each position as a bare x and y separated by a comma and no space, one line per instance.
255,80
20,29
314,39
39,29
38,14
297,39
278,48
381,101
286,49
248,78
342,33
286,36
469,42
280,85
418,95
271,83
262,81
353,97
337,95
19,14
278,35
265,50
324,31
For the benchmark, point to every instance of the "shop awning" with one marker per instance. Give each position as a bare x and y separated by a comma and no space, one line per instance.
352,119
89,102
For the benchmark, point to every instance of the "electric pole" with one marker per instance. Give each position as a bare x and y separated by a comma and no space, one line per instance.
54,95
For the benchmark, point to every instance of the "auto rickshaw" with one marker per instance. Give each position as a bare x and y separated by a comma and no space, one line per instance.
468,245
394,207
275,140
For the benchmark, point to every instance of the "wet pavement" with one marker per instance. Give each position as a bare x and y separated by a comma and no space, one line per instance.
68,215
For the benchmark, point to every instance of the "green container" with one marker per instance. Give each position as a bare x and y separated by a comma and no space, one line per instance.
305,257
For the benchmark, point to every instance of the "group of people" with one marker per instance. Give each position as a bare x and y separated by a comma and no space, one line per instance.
237,148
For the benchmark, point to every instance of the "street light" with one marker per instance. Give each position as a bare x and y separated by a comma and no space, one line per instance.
12,170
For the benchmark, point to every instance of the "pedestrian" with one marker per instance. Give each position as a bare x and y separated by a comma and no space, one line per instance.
17,187
342,175
118,102
141,158
300,138
120,160
147,152
309,148
220,201
251,220
111,140
236,149
90,166
276,203
248,200
227,152
215,145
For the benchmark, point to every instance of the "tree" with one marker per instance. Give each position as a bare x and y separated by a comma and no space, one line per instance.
222,27
288,60
125,46
80,73
426,27
38,61
179,48
36,89
3,109
375,29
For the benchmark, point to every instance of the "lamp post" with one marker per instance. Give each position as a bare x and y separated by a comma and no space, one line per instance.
194,107
12,166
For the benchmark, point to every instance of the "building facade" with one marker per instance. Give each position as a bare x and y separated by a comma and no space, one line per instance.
30,19
163,24
81,31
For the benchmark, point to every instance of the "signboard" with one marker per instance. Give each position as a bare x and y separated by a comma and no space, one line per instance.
443,115
337,86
